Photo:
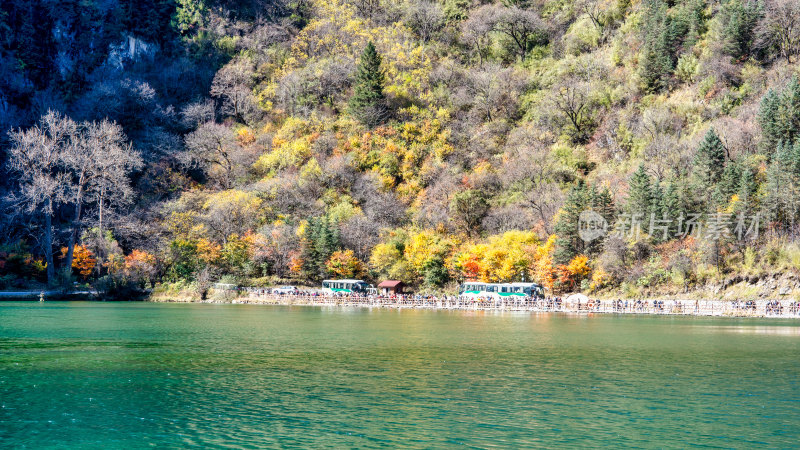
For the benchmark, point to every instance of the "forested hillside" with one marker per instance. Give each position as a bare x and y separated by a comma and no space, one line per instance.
190,141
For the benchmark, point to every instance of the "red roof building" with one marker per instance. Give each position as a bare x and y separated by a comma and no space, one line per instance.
391,287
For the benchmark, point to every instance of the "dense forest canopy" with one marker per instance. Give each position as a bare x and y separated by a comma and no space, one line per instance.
188,141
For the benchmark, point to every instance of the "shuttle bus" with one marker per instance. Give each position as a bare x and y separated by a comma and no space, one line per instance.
345,287
497,291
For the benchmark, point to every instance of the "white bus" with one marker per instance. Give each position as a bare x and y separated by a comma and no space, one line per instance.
346,287
497,291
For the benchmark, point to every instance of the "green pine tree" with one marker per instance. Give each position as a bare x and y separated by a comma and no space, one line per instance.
326,243
768,120
739,20
656,195
789,112
322,239
671,209
656,214
685,26
601,202
728,185
656,61
747,191
779,117
568,242
368,103
310,253
640,195
710,159
780,205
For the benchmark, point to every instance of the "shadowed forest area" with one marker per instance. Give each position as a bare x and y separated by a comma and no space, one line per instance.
179,143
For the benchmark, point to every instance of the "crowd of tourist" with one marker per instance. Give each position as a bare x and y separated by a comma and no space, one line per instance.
549,303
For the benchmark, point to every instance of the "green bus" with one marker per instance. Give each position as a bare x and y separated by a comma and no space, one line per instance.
497,291
346,287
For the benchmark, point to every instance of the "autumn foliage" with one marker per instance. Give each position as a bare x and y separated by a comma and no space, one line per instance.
140,266
506,257
427,141
344,264
83,261
570,275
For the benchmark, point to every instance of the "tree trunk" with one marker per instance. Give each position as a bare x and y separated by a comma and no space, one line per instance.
48,246
74,234
100,206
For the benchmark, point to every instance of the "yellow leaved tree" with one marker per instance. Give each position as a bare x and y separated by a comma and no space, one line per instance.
571,274
231,212
424,248
506,257
543,271
344,264
388,261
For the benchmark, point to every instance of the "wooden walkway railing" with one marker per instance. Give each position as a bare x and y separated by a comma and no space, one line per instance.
758,308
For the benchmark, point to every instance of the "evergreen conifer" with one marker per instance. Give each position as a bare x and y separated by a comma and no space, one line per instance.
368,103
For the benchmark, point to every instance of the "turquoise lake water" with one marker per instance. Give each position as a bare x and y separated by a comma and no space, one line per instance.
132,375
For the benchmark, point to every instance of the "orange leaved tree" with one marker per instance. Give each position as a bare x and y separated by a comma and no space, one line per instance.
570,275
83,260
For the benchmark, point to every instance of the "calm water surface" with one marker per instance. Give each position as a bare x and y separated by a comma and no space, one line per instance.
110,375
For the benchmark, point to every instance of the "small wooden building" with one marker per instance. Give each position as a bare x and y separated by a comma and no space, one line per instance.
391,287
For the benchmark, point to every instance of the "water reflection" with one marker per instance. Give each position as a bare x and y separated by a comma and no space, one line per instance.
133,375
791,330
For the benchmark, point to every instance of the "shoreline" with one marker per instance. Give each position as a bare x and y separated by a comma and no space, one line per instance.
677,307
700,308
48,295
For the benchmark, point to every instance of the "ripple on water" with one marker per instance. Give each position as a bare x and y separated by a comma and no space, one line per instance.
99,375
